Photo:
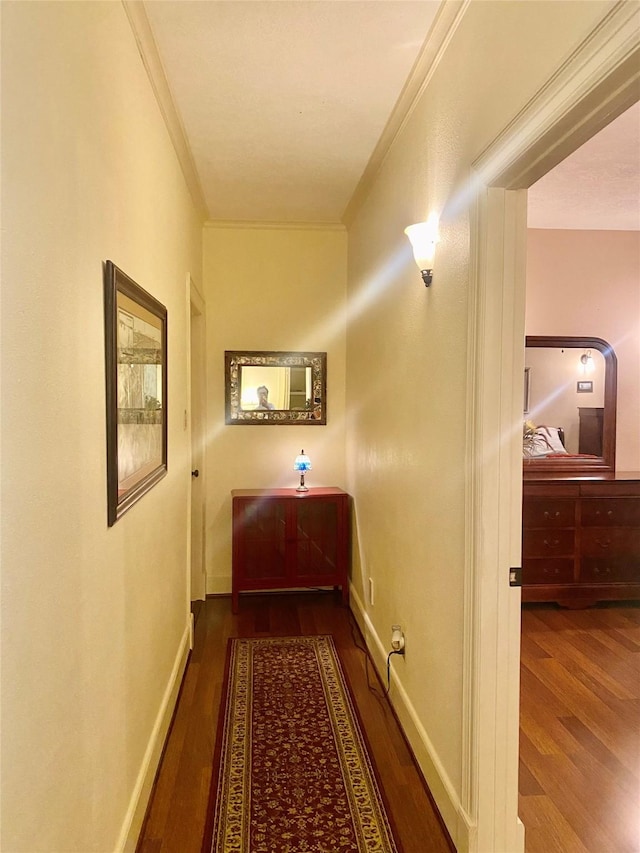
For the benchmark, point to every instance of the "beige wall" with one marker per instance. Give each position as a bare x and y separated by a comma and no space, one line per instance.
588,283
270,289
93,618
407,357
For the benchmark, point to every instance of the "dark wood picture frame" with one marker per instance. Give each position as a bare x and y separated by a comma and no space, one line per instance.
136,390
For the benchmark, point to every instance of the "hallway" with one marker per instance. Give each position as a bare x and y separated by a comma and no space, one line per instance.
176,817
578,790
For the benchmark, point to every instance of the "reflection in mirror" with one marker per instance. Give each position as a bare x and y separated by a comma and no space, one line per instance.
275,387
559,389
264,387
570,404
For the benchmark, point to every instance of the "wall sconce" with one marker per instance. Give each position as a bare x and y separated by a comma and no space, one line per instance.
423,237
302,464
586,360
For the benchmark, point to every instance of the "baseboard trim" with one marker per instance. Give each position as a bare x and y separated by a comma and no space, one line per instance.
134,818
454,816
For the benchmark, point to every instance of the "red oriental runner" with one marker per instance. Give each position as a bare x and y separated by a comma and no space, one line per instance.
293,774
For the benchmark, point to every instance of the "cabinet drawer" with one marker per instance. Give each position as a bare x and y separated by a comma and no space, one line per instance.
610,542
548,543
610,569
548,512
617,512
547,571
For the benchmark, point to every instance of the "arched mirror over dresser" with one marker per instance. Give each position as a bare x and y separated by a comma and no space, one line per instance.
570,404
581,517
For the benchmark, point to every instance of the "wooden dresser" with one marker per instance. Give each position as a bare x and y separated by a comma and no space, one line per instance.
285,539
581,538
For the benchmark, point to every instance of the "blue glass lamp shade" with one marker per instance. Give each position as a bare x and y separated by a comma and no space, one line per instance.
302,464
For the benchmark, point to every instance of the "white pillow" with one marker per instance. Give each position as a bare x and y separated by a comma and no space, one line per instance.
550,439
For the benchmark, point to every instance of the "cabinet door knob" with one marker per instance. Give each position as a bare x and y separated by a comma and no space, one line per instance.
195,473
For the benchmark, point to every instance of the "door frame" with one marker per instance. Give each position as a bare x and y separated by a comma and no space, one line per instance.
598,82
195,422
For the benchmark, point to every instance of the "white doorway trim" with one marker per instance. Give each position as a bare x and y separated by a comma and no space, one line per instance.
195,422
597,82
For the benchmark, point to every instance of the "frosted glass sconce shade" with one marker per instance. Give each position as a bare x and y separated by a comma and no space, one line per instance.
423,237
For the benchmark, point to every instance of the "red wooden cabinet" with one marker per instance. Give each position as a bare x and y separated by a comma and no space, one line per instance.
285,539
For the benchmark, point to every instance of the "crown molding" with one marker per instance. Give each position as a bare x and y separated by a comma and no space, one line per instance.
442,30
259,225
569,109
152,62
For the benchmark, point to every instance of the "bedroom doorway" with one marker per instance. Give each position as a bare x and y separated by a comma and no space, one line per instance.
596,84
583,218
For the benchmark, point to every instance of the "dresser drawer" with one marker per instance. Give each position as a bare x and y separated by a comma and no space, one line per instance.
581,538
548,543
610,569
613,542
551,571
615,512
548,512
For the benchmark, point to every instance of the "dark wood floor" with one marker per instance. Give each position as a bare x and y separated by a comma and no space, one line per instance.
176,816
580,729
580,726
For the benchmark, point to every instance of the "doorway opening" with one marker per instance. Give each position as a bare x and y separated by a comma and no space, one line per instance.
596,85
197,398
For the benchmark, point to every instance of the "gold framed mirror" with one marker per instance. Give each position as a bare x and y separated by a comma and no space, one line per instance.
570,405
275,388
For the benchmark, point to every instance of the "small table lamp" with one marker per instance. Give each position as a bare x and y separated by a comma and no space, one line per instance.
302,464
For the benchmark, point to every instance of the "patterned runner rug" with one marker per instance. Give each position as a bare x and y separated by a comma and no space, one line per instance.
293,773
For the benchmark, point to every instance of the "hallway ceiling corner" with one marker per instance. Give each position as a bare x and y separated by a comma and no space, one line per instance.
281,104
281,111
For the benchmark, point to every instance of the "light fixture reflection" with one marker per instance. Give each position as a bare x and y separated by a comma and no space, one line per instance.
586,360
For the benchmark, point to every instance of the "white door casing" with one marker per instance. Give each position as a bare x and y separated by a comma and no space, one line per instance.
197,409
597,82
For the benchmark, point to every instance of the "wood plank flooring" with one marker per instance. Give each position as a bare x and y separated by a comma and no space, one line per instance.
176,816
580,729
580,726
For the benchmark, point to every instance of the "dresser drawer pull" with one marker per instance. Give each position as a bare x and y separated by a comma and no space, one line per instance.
553,544
603,543
547,514
609,513
606,571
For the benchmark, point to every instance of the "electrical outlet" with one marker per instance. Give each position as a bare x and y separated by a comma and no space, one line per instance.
371,591
397,639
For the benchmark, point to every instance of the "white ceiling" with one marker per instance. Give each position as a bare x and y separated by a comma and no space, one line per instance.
283,102
598,186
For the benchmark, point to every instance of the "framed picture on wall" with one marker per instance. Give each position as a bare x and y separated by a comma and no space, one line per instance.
136,385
